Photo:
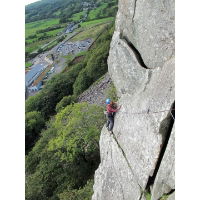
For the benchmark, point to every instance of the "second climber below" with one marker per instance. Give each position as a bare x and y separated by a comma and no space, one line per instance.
111,109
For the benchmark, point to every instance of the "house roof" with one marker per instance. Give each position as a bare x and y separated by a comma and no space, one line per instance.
35,70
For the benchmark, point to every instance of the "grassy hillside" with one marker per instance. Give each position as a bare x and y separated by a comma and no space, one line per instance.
97,21
78,16
89,33
66,9
45,9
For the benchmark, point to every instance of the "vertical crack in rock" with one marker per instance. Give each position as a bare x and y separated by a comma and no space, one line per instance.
165,129
141,189
134,10
117,176
173,190
135,51
142,193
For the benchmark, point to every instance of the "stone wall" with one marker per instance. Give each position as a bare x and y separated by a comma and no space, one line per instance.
140,153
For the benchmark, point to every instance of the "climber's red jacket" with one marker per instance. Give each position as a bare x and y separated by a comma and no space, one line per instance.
110,109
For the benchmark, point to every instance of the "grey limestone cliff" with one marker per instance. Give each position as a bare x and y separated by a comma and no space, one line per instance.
140,153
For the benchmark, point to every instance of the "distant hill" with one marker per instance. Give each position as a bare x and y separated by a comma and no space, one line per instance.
46,19
45,9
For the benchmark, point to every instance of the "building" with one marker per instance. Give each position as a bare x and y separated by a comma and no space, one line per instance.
33,74
35,88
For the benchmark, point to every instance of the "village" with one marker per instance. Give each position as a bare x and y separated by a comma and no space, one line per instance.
46,64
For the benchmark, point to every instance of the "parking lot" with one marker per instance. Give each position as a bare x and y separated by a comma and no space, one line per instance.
73,47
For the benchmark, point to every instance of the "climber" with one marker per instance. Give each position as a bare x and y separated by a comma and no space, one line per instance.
111,110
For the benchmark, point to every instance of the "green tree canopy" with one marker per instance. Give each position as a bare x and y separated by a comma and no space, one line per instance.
67,154
34,122
84,193
64,102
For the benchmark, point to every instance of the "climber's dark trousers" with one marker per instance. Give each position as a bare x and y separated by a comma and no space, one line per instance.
110,122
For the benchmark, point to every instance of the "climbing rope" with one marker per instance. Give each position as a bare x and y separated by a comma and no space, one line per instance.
149,112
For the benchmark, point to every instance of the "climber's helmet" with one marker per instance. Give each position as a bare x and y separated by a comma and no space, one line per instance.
108,101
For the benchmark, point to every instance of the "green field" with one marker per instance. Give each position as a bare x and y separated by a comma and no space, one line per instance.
36,45
98,21
49,33
89,33
97,11
57,13
32,27
82,53
51,45
54,32
77,16
70,57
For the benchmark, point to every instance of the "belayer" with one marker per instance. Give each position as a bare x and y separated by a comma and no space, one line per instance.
111,109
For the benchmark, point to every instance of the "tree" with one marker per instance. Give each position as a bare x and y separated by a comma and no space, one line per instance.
67,153
27,54
82,82
84,193
62,20
40,50
64,102
97,64
34,123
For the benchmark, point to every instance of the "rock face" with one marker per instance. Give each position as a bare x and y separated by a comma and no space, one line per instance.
171,197
114,179
140,153
149,26
164,181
